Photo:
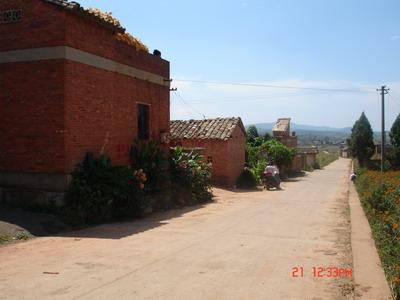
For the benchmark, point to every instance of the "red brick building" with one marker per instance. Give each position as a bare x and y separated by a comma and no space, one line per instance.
281,132
305,156
69,85
221,141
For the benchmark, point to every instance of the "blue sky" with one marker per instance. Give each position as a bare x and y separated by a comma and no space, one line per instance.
353,45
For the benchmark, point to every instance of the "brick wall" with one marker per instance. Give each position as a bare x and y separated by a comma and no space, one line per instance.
53,111
237,146
32,117
42,25
101,112
228,157
82,34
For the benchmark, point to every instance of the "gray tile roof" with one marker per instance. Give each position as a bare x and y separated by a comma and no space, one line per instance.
220,128
75,7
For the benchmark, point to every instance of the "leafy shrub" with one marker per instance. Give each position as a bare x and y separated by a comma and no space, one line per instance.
258,169
393,156
246,180
278,152
316,166
100,192
150,157
308,168
190,177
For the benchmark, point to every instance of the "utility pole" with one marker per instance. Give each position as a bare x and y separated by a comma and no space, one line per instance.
383,91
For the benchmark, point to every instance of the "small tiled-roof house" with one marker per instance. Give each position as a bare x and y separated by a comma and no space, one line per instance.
222,141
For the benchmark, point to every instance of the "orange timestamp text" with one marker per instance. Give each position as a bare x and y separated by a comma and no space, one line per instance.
321,272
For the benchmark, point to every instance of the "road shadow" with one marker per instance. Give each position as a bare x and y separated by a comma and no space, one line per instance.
127,228
295,177
14,220
242,191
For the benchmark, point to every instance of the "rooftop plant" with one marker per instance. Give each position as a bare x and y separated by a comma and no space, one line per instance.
124,37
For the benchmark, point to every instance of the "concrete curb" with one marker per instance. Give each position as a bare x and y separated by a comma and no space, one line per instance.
369,277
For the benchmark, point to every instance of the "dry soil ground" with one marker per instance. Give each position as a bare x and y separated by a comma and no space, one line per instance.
243,246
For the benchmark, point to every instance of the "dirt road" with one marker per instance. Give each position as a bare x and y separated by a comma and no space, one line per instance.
243,246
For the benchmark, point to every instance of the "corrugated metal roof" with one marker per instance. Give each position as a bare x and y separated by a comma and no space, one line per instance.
220,128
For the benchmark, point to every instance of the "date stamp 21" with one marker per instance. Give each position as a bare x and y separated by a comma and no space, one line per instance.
321,272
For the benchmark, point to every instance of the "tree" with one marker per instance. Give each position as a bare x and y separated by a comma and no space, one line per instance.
395,133
274,150
267,136
254,139
252,132
394,154
362,140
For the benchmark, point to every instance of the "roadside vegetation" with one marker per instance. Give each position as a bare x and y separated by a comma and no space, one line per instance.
20,236
261,149
4,239
380,195
325,158
100,192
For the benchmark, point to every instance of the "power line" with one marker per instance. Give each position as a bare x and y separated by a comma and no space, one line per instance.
189,105
247,98
183,105
273,86
394,99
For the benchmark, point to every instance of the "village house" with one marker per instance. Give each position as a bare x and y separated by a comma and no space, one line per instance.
221,141
281,132
72,81
305,156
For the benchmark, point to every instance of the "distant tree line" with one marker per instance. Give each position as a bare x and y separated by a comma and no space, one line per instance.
361,143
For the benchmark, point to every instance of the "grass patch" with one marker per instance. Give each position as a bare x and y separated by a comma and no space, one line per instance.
19,236
380,198
324,158
4,239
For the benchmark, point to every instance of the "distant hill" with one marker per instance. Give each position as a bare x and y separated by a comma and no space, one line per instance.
316,135
312,135
267,127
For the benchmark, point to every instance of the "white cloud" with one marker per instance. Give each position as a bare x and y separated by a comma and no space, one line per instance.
266,104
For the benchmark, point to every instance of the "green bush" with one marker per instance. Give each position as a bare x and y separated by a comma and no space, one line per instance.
190,177
258,169
308,168
151,158
246,180
277,152
316,166
100,192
